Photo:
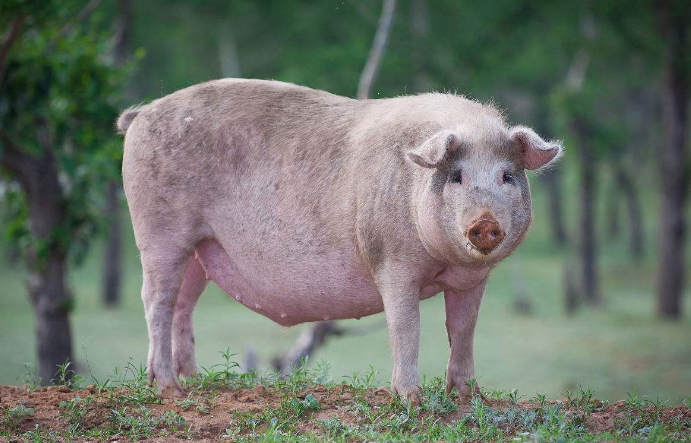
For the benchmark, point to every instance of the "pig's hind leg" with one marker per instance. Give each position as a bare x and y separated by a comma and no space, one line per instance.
193,284
163,271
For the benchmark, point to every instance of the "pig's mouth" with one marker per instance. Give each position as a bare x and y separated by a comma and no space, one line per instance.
484,251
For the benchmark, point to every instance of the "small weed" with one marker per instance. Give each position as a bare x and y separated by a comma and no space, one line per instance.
64,374
514,397
633,400
540,399
75,409
360,380
31,378
186,403
12,417
436,400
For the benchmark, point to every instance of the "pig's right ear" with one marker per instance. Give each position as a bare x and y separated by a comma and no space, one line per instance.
431,153
535,152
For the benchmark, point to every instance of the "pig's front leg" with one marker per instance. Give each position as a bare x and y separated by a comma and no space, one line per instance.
402,310
462,308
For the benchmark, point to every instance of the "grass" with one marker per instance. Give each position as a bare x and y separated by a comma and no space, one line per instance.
618,349
308,406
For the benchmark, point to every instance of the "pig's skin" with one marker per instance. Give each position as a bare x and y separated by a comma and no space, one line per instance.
306,206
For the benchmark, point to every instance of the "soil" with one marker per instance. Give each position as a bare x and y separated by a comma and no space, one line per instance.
209,425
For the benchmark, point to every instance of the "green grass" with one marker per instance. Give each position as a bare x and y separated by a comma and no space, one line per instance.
616,350
308,406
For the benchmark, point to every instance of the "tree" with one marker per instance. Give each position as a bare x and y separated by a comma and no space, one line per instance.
57,105
112,257
674,19
381,38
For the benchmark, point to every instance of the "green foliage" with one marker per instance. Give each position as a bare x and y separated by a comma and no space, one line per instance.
59,97
12,417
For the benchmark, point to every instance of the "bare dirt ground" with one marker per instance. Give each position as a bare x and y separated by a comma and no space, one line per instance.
342,413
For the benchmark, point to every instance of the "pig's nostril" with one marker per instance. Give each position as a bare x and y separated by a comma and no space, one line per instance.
485,235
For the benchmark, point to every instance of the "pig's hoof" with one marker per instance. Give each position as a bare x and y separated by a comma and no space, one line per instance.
186,370
172,392
466,395
412,396
415,399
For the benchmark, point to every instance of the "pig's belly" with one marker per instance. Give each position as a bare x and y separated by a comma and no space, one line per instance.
309,289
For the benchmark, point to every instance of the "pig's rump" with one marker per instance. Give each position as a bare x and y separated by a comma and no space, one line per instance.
307,289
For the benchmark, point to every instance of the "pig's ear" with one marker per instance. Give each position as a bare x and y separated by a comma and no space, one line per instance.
535,152
431,153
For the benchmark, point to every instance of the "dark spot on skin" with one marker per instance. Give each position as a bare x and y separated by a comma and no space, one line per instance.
374,249
237,158
277,186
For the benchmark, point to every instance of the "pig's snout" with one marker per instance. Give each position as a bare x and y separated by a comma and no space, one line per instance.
485,234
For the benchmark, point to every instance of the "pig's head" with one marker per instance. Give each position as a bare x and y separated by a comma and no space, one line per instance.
472,196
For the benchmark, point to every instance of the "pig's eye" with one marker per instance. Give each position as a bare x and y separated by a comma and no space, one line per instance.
508,178
456,177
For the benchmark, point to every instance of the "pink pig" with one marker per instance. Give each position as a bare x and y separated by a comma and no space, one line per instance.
306,206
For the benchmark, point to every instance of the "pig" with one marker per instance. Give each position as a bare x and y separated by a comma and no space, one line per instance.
306,206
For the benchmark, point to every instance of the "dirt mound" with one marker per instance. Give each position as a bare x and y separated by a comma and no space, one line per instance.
313,413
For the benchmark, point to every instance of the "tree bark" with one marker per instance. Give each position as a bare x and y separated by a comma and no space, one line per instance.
381,38
228,58
674,20
613,206
633,204
47,263
112,263
112,260
419,25
587,232
570,286
312,337
552,181
8,39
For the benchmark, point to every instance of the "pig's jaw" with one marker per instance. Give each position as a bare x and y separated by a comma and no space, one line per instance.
453,248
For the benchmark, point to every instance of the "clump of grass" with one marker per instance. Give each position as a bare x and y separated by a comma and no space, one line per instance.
12,417
118,408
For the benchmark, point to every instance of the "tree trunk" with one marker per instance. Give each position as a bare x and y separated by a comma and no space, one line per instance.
112,257
419,25
674,25
112,263
552,181
312,337
228,58
587,232
47,282
381,38
570,286
613,206
633,204
38,177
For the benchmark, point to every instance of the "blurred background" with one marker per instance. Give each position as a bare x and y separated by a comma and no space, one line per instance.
596,297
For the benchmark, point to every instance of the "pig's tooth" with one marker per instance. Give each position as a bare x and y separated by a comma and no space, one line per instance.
257,306
283,315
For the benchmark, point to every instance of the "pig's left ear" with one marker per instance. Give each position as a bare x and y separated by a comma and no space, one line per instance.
535,152
431,153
